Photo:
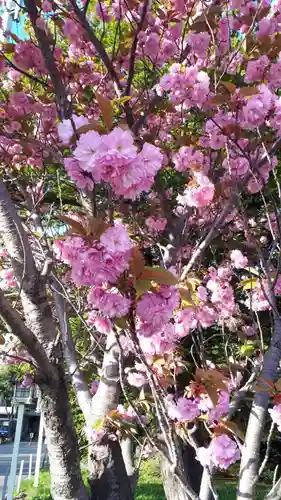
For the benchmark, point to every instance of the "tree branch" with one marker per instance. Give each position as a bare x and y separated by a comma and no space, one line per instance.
134,48
25,73
63,104
97,44
35,305
25,335
226,210
250,456
79,384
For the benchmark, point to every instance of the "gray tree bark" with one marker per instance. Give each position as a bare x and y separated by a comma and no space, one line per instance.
38,334
128,453
251,450
107,473
192,471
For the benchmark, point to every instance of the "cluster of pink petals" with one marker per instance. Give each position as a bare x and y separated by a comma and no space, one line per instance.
67,128
7,278
156,225
222,452
198,194
114,159
155,309
222,294
96,263
238,260
275,414
190,158
110,302
257,108
257,299
183,410
186,85
190,318
199,43
130,415
82,179
28,56
101,324
137,378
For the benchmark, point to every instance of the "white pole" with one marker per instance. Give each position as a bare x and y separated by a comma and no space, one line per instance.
38,454
13,470
30,467
20,476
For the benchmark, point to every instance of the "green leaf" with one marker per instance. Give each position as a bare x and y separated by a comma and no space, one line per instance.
248,284
98,424
247,349
142,286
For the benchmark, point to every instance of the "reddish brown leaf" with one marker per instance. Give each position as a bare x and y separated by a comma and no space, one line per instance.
248,91
159,275
76,226
106,110
136,262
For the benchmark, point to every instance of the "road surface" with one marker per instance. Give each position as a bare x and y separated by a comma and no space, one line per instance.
26,449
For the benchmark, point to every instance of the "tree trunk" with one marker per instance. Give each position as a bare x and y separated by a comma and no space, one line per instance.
107,473
39,336
127,447
66,479
251,451
192,470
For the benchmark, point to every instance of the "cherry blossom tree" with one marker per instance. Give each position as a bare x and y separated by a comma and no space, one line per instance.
139,200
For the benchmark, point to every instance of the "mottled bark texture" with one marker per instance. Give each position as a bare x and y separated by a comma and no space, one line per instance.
107,473
38,334
251,450
192,470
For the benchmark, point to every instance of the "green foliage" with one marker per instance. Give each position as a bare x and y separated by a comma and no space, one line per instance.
8,375
149,486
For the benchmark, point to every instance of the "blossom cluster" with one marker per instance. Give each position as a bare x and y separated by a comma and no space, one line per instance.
97,263
221,452
112,158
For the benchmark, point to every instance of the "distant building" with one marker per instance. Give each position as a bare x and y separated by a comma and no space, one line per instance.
12,19
8,414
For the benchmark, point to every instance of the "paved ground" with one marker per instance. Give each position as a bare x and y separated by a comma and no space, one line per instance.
26,449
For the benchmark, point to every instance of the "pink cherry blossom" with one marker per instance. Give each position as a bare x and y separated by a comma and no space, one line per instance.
200,195
275,414
7,278
116,239
111,303
199,43
137,379
156,308
188,157
156,225
183,410
102,325
222,452
66,129
238,259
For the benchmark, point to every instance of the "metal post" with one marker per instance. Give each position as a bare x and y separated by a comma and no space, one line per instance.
13,470
5,486
39,451
20,476
30,467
